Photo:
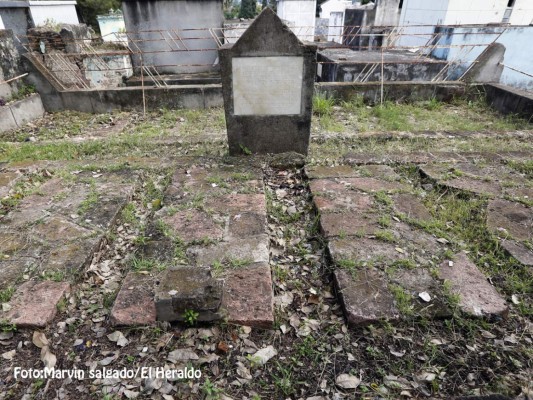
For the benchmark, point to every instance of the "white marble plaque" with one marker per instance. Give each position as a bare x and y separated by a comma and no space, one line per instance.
267,85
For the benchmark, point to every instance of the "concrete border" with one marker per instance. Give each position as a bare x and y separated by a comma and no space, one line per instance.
509,100
19,113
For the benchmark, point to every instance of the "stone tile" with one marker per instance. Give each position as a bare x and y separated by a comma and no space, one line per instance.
473,185
365,296
477,296
34,303
519,251
411,206
374,185
192,225
252,249
380,171
343,200
339,171
71,258
111,200
134,304
402,158
364,250
246,224
11,270
322,186
248,297
12,242
7,181
348,224
416,281
236,203
57,229
183,288
509,217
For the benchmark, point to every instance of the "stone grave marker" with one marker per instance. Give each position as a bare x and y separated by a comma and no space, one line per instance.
267,81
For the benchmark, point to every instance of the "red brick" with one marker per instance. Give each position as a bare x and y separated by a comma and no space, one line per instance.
476,295
134,304
34,304
365,296
248,298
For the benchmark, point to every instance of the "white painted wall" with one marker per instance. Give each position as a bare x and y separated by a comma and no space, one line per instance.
461,12
2,23
63,12
522,13
301,14
333,6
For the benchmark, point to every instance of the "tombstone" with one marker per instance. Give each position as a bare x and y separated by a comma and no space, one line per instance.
267,81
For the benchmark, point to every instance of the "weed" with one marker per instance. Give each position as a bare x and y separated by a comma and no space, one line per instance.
385,235
323,104
147,264
6,326
6,294
384,221
383,198
403,299
190,317
210,390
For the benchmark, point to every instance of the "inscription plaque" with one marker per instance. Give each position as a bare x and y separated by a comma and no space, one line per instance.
267,85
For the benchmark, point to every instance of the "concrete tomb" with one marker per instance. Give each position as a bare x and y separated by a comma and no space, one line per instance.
267,84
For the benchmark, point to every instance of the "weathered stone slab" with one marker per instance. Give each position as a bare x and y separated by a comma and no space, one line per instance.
246,224
348,224
419,280
365,296
134,304
192,225
507,217
519,251
343,200
411,206
57,229
364,250
473,185
323,186
11,270
71,258
248,298
235,203
339,171
252,249
180,289
477,296
374,185
34,303
7,181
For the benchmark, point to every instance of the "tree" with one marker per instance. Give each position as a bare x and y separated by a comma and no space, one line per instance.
264,4
248,9
89,9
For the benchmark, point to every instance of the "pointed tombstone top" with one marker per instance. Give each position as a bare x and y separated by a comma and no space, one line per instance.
268,35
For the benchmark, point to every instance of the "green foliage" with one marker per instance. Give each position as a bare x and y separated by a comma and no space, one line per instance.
210,390
24,91
248,9
6,294
323,104
90,9
190,317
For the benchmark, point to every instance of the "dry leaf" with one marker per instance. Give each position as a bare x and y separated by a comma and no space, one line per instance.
262,356
347,381
39,339
8,355
49,360
119,338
